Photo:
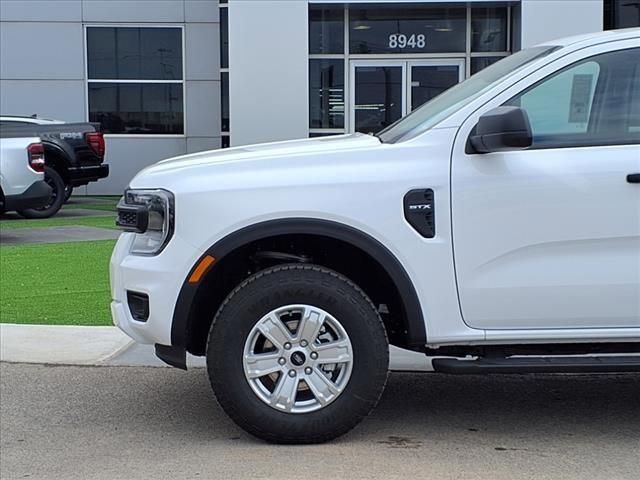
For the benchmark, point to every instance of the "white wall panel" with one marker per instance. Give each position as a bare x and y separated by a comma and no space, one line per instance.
202,51
268,70
545,20
59,99
126,156
202,108
39,50
133,10
201,144
201,11
40,10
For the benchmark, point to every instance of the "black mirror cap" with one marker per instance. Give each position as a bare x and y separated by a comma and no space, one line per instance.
502,129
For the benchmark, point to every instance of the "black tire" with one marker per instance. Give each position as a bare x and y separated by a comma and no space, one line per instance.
286,285
68,190
56,200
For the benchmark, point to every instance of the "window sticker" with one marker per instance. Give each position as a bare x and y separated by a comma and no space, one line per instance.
580,98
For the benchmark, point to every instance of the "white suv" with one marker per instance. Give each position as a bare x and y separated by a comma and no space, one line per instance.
497,228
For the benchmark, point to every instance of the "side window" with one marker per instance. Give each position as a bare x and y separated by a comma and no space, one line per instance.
634,104
562,104
592,102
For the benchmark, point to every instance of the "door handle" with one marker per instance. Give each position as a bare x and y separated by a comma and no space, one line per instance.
633,178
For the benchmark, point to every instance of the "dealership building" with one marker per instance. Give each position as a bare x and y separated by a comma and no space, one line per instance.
169,77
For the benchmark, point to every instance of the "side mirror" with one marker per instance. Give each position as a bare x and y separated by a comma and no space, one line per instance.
502,129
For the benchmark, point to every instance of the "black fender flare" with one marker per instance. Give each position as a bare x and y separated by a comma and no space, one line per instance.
59,151
416,332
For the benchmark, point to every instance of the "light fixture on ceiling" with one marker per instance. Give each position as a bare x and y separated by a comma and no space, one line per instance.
446,26
358,25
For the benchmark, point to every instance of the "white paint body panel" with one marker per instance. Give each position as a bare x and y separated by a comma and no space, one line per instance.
16,175
358,181
353,180
548,239
159,277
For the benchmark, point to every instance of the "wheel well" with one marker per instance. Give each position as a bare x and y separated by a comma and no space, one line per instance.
56,160
349,260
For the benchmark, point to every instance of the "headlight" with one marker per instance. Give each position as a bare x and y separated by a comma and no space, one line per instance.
148,213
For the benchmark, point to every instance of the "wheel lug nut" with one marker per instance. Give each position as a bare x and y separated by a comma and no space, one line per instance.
303,343
292,373
287,346
314,355
282,361
308,370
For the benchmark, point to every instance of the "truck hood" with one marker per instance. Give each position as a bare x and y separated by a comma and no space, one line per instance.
256,155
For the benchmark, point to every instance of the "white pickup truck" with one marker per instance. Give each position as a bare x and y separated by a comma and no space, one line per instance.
22,184
496,229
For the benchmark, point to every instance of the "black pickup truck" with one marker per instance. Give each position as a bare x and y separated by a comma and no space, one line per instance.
74,156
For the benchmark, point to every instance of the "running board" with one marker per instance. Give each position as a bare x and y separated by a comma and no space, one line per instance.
538,365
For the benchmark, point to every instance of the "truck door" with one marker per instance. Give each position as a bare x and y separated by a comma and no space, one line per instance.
549,237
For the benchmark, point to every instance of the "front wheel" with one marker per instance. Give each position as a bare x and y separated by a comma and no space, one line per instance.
297,354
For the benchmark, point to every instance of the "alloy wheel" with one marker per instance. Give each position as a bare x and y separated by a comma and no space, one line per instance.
298,358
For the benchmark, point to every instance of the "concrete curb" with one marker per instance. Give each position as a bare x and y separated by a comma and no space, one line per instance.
74,345
59,343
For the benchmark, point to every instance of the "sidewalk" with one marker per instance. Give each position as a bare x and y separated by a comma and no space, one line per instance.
72,345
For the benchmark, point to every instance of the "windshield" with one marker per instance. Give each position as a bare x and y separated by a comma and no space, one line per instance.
436,110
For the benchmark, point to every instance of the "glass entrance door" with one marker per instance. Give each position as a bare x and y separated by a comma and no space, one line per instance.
384,91
378,95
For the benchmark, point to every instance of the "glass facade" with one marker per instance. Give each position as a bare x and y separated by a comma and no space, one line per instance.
406,29
224,101
379,102
134,53
326,93
621,14
370,64
225,124
135,79
489,30
224,37
326,30
478,63
137,108
429,81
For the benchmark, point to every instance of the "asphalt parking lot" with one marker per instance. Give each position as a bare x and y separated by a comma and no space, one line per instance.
134,423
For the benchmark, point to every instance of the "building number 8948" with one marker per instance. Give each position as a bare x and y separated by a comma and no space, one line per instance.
400,40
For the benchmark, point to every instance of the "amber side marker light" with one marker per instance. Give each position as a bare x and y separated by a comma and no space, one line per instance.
201,269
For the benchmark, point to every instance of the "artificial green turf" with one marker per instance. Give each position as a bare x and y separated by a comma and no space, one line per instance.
56,284
105,221
105,207
105,203
93,203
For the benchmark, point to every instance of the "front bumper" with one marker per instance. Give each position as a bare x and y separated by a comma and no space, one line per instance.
37,195
160,277
89,173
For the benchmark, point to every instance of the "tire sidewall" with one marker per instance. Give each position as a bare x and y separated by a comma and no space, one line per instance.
68,191
59,188
287,286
